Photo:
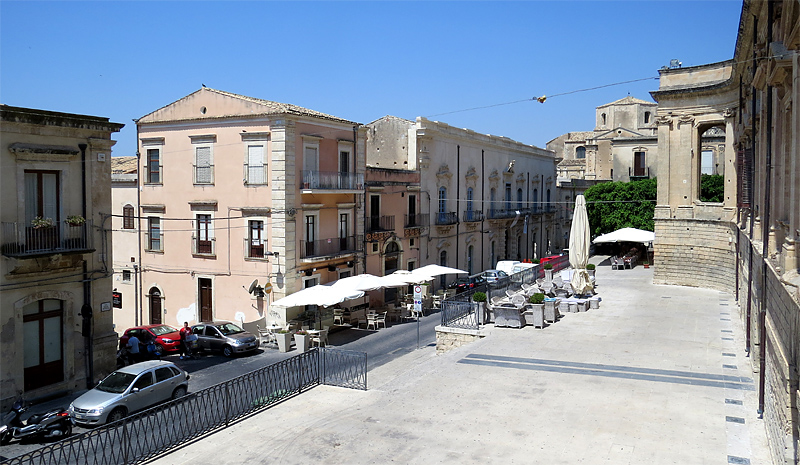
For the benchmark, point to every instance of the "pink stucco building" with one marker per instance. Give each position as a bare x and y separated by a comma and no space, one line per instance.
235,189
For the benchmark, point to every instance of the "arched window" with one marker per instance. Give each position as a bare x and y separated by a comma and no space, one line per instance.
535,200
442,205
580,152
469,204
519,198
127,217
492,196
646,117
603,116
549,208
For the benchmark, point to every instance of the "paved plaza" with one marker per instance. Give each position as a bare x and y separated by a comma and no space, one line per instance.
656,375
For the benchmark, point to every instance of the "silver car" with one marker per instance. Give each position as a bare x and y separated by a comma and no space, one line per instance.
225,337
127,390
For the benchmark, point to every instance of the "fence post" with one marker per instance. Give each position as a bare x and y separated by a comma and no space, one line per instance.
227,403
125,441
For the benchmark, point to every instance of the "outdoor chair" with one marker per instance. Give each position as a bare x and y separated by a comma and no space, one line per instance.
518,300
321,338
338,317
372,320
510,293
497,300
381,320
265,336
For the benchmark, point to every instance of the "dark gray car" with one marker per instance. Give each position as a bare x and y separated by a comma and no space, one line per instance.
225,337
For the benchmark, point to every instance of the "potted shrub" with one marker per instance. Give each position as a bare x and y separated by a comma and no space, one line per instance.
302,340
40,222
534,315
284,338
75,220
591,269
479,299
548,272
646,264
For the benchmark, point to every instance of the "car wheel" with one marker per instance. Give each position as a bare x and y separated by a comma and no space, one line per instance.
116,415
227,351
179,392
160,349
5,438
67,430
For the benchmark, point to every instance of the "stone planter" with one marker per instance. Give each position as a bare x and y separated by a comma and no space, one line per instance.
594,303
591,273
548,276
534,315
302,342
550,311
480,312
582,306
510,317
284,341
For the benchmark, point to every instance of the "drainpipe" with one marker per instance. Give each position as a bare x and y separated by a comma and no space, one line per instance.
485,212
137,285
749,329
765,235
458,196
86,308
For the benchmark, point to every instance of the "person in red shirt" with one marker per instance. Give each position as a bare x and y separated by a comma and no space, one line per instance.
184,348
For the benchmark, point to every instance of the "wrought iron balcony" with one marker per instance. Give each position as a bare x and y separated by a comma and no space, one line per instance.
471,216
501,213
446,218
206,247
203,174
22,240
332,180
420,220
380,223
331,247
255,249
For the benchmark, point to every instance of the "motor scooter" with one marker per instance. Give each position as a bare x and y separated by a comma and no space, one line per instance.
54,423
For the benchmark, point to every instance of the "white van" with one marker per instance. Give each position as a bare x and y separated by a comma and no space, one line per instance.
522,267
507,266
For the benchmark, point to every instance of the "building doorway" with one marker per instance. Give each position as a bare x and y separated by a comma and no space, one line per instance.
390,265
204,293
155,306
43,343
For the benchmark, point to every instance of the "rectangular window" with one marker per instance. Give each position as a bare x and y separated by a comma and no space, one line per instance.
203,167
256,167
204,235
42,196
154,234
255,239
344,230
638,164
508,196
153,166
126,276
707,162
311,235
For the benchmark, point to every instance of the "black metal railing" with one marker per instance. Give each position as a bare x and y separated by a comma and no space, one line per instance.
501,213
458,314
332,180
204,246
330,246
473,216
380,223
445,218
419,220
22,239
140,437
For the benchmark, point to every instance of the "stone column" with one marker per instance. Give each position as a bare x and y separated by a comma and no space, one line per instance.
283,226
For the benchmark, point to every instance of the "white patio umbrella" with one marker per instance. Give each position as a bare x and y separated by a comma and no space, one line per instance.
361,282
321,294
626,235
579,242
436,270
402,278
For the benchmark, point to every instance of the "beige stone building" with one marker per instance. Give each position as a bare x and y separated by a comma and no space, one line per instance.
621,147
55,270
487,198
747,244
236,189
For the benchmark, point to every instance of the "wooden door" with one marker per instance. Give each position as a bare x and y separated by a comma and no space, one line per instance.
155,306
206,310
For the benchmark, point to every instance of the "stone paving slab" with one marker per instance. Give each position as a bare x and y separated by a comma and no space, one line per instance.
638,381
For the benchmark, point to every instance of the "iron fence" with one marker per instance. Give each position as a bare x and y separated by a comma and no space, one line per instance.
140,437
459,314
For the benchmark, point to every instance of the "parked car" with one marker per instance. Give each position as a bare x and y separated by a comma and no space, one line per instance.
467,283
166,337
522,267
224,336
549,259
507,266
128,390
495,276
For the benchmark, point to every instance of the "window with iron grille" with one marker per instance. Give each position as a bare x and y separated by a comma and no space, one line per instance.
126,276
154,234
256,168
203,166
256,239
204,234
153,166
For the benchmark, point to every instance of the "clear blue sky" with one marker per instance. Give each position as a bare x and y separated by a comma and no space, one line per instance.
356,60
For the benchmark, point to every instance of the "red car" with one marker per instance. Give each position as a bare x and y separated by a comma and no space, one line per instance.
549,259
165,336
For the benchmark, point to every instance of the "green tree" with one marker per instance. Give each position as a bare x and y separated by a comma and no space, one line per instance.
712,188
614,205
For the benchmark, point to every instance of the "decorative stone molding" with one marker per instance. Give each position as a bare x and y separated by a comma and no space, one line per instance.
729,112
494,178
444,229
444,243
471,177
664,120
412,232
471,226
424,162
444,175
521,179
685,119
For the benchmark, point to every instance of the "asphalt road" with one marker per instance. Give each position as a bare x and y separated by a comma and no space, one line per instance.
381,346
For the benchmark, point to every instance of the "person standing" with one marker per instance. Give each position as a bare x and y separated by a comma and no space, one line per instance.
185,348
133,348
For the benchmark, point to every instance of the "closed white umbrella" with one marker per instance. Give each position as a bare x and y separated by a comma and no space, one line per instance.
579,242
626,235
321,294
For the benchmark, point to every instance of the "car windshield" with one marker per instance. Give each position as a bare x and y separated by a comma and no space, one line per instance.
162,330
229,328
116,382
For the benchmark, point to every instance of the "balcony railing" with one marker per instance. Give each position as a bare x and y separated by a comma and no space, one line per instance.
255,175
332,180
203,246
22,239
471,216
153,243
500,213
255,249
330,247
419,220
445,218
380,223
